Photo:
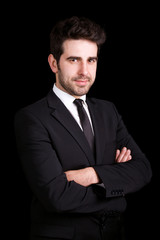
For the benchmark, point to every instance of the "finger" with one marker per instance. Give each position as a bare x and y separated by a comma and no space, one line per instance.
121,155
117,153
126,156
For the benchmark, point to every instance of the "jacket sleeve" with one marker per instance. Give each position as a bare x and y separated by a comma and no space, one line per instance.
44,172
120,179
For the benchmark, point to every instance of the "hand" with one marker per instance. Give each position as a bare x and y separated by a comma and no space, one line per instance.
123,156
84,177
88,176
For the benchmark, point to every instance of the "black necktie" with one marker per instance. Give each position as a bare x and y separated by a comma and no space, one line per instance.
85,122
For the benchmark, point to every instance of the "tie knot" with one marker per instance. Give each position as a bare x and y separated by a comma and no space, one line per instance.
78,102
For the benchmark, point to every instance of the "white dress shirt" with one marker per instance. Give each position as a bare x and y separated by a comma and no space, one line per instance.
68,100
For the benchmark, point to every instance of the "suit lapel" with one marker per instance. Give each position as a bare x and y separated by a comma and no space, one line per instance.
61,113
98,125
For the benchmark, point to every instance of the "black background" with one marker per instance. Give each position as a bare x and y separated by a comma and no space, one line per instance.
127,75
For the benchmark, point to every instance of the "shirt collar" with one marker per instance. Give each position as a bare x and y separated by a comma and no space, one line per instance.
66,98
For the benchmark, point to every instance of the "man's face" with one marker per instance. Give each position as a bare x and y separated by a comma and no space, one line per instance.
77,67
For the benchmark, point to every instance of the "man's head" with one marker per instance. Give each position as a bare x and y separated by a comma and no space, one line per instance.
74,47
74,28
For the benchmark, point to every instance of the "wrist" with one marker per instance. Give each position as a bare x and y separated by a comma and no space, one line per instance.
93,176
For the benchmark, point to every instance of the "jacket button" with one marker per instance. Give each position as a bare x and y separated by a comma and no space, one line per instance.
117,192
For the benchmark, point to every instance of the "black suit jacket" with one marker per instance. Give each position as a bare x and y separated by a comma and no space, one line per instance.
50,141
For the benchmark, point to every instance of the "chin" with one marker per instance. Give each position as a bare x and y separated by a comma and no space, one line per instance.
81,92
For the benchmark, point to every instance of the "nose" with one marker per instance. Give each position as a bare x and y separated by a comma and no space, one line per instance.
83,69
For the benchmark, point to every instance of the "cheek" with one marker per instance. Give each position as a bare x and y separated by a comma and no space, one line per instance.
69,72
64,74
93,72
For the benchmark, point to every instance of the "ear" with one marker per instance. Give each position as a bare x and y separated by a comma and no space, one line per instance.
53,63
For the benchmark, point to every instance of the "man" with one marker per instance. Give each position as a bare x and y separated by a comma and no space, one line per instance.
78,156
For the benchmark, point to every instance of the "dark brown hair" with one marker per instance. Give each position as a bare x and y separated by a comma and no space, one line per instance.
75,28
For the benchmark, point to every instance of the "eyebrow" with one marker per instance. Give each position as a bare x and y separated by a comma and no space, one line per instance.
71,57
79,58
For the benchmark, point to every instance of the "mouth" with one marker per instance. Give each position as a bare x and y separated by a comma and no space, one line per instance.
81,82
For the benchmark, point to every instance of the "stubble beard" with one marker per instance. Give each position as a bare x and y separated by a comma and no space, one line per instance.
71,88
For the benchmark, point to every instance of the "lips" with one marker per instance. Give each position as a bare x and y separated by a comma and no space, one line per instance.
81,82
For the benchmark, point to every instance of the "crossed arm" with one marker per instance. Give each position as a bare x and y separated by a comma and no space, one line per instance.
88,175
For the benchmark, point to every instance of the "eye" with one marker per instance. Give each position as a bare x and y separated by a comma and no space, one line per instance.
92,60
73,59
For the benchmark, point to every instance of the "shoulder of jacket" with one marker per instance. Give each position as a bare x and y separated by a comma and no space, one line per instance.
101,102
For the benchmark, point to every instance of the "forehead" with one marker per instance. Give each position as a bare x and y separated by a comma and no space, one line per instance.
80,47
